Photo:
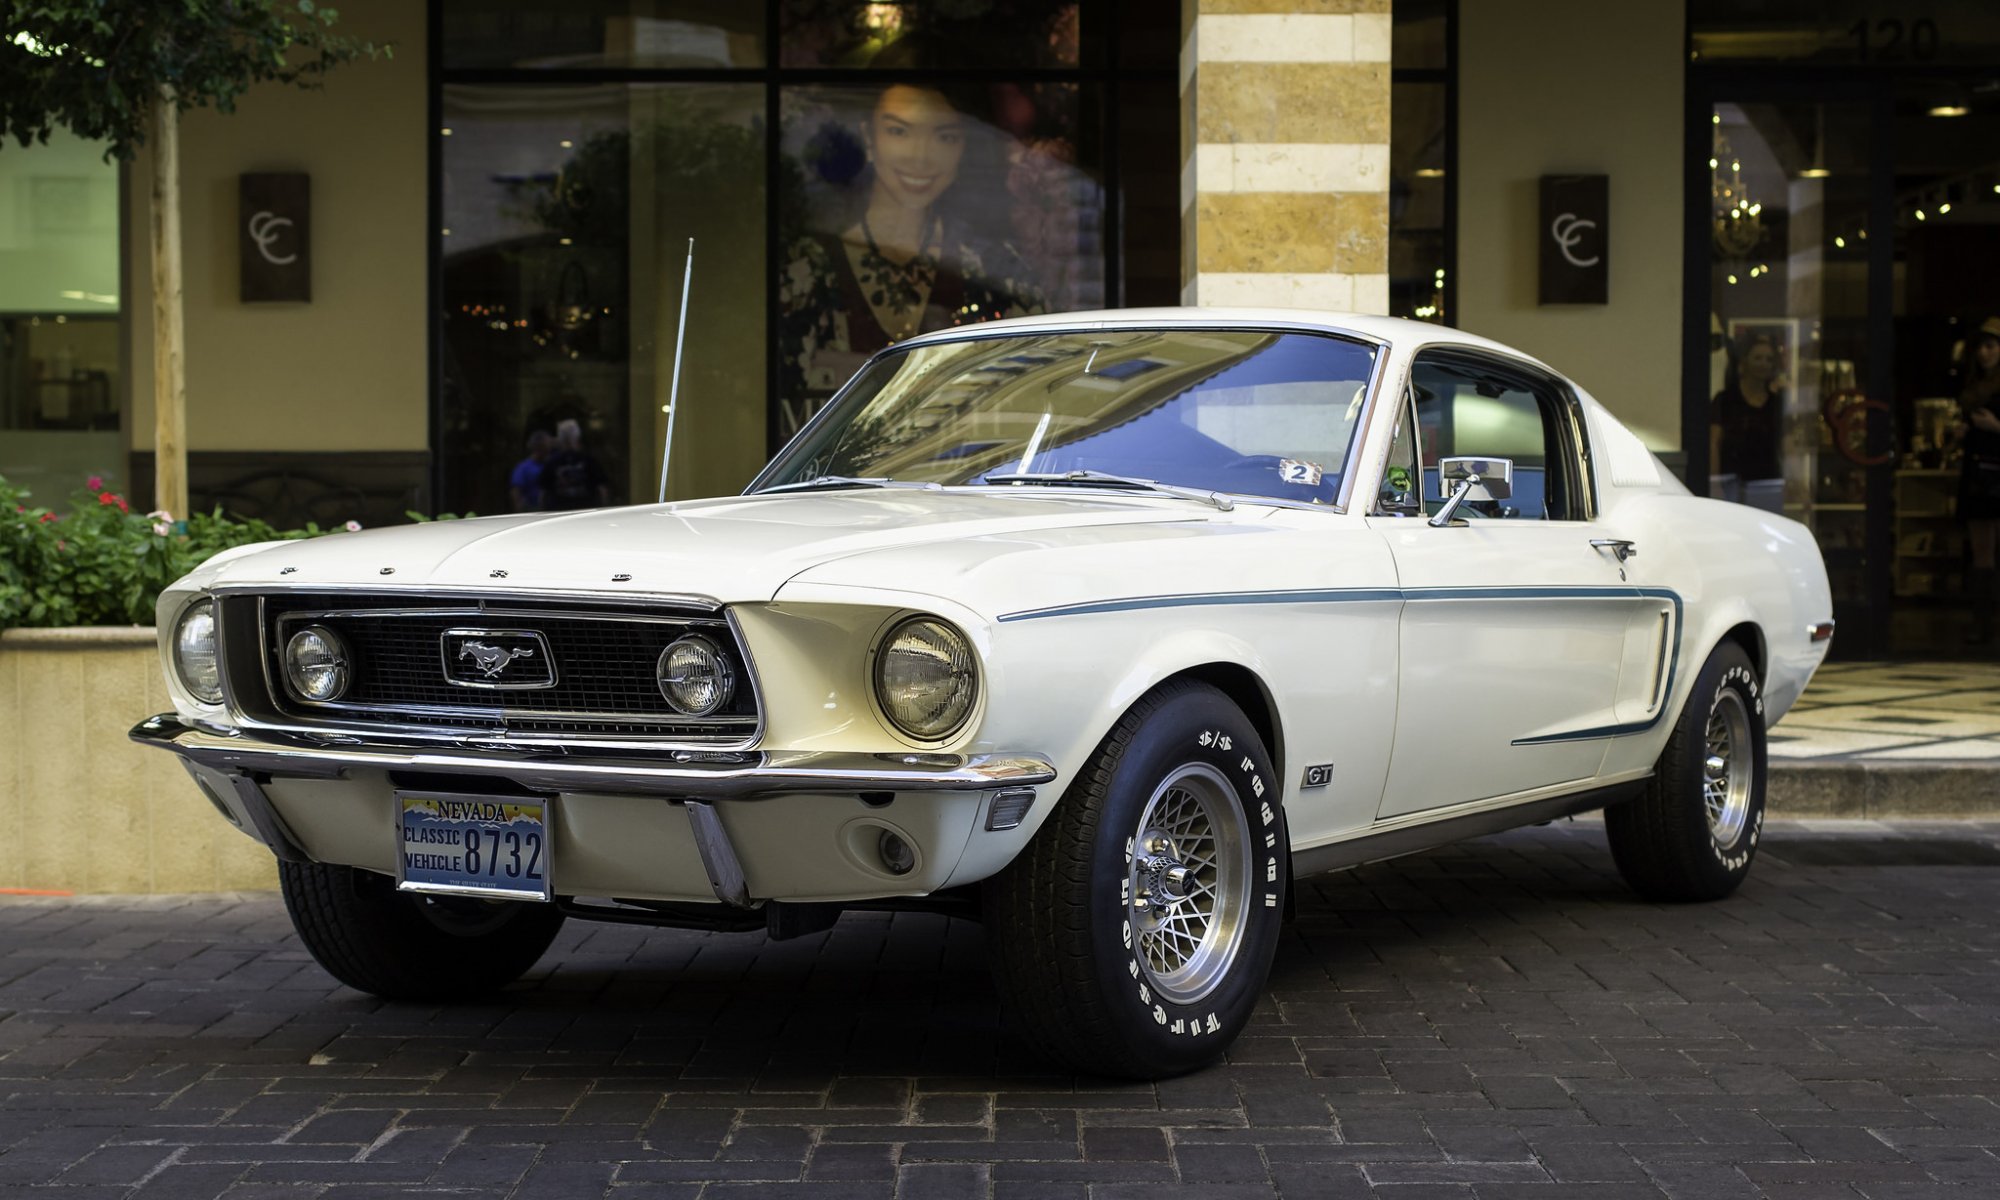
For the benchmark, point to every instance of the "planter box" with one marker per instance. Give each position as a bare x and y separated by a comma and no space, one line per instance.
81,808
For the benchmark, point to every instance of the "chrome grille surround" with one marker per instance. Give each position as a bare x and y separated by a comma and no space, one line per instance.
607,692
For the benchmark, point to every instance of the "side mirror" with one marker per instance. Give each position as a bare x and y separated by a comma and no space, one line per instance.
1472,479
1493,478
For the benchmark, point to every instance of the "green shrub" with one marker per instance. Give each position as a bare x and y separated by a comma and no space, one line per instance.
100,563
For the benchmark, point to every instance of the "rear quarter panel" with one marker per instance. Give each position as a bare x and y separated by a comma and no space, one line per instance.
1732,565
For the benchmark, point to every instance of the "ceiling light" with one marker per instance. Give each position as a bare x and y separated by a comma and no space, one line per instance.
1948,110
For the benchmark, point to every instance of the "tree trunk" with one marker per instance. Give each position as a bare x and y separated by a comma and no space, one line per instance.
170,488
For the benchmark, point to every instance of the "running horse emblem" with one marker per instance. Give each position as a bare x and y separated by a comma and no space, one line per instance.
491,660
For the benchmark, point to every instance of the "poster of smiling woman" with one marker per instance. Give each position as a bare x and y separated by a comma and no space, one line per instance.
916,203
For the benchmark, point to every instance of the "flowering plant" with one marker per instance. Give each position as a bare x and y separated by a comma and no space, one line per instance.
97,562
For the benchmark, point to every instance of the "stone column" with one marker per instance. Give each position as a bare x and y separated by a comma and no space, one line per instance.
1285,153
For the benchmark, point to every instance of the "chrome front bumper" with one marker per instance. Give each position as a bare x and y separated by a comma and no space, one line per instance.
250,759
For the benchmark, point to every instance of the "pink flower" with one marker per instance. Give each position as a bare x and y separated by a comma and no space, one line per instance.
163,528
352,527
161,514
95,483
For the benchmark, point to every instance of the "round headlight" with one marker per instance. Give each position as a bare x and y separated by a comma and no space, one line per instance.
695,676
924,678
316,664
194,652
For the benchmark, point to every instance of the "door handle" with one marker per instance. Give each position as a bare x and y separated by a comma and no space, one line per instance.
1620,547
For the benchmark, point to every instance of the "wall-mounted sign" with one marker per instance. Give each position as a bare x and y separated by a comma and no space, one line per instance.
1575,238
274,236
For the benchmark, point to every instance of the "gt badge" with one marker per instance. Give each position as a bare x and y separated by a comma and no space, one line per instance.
1318,776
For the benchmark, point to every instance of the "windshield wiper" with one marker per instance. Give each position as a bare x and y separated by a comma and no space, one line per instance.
1106,479
834,481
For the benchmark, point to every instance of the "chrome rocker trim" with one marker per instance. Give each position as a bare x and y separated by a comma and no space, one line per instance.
677,774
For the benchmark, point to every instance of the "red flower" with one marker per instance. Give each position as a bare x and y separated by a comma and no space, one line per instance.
47,517
113,498
94,483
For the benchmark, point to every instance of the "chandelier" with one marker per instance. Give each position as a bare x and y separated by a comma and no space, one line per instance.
1738,219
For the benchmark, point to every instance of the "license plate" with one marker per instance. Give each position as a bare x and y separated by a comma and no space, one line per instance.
491,846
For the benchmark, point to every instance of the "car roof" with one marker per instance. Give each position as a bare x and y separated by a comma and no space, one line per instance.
1396,331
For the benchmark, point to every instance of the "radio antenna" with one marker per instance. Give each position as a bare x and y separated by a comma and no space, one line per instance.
674,390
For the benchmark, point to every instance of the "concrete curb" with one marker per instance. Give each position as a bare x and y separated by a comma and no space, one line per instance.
1883,790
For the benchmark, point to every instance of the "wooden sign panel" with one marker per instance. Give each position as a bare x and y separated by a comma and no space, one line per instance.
274,236
1575,239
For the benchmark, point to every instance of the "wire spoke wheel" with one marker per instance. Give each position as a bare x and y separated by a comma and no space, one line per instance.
1190,881
1726,768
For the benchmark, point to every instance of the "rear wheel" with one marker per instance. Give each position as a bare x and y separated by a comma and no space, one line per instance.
1694,832
403,946
1134,934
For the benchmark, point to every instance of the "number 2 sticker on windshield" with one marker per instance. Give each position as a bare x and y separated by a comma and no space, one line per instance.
1299,471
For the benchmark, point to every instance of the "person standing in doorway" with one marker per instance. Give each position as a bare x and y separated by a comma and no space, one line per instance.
524,486
1979,479
1746,419
572,478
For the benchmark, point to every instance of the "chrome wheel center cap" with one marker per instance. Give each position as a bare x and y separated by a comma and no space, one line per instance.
1164,881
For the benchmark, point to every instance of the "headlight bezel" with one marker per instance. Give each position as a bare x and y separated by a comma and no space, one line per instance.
342,665
202,693
731,672
972,681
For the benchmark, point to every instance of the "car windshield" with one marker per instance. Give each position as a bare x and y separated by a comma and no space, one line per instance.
1257,413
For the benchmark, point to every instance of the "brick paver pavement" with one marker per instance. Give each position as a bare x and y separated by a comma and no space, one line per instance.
1499,1019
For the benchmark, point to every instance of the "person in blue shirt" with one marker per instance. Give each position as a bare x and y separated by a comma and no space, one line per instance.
524,487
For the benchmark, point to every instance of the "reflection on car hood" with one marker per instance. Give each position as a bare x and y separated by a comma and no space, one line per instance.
740,548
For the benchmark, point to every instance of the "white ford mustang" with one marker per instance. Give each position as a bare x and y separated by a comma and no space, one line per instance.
1100,627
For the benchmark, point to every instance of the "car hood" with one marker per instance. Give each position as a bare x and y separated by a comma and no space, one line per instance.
741,548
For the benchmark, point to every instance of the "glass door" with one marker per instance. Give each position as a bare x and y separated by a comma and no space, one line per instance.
1789,411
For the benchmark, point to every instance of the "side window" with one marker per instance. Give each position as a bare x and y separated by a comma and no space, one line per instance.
1466,407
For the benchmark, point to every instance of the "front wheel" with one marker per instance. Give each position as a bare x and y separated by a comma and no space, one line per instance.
1134,934
403,946
1694,832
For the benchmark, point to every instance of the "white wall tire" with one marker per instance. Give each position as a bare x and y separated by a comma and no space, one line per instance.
1694,832
1135,933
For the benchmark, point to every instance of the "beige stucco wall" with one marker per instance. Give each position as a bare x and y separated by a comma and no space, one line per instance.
83,809
346,371
1577,87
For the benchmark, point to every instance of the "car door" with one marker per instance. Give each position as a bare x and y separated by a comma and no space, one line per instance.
1514,625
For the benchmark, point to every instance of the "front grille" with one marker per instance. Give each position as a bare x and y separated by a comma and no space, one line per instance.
603,657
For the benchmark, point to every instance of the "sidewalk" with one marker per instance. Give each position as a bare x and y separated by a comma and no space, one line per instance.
1891,740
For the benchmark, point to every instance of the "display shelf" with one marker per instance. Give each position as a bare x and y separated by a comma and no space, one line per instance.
1925,498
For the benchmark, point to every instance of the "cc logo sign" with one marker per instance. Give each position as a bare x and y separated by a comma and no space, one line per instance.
1567,230
264,227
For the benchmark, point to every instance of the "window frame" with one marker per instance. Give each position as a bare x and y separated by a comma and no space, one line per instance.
1565,431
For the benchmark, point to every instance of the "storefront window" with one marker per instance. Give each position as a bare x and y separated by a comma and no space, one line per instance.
851,173
567,213
1852,249
1421,217
61,394
914,206
1787,417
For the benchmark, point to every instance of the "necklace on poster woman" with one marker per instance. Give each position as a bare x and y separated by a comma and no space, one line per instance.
898,292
